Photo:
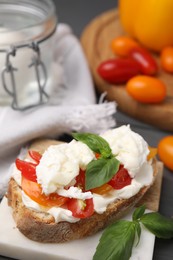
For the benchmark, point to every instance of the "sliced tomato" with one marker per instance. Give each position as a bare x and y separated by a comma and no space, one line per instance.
36,156
27,169
120,179
80,180
34,191
102,189
152,153
81,208
97,155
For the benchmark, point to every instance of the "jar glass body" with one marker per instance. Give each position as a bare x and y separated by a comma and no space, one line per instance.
27,30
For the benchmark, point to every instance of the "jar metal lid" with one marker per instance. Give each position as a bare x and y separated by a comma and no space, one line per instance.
35,19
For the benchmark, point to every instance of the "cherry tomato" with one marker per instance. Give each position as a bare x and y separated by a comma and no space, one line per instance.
97,155
146,89
27,169
152,153
102,189
145,60
81,208
165,151
167,59
122,45
80,180
120,179
34,191
36,156
117,71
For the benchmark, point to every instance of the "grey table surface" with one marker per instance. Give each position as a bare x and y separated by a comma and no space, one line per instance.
78,13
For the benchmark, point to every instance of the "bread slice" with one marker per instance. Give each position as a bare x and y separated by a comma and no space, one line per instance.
41,227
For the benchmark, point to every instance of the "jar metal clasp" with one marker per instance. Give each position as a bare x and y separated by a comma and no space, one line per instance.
38,66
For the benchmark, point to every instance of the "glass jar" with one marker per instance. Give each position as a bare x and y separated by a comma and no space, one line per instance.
27,29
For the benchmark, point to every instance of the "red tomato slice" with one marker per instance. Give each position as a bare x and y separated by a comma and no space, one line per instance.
80,180
97,155
81,208
36,156
120,179
27,169
34,191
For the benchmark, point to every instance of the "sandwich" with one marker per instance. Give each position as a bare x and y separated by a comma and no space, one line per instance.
65,191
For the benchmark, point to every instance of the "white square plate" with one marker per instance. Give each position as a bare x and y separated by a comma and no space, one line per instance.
14,244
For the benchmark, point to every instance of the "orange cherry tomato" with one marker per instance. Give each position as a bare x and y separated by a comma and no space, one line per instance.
34,191
146,89
152,153
165,151
122,45
166,59
102,189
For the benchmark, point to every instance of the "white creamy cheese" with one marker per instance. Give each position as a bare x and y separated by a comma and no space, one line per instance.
75,192
61,214
128,147
16,174
60,164
82,153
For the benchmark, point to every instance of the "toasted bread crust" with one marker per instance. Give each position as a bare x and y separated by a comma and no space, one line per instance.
41,226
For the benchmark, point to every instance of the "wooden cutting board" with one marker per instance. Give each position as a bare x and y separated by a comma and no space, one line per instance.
95,40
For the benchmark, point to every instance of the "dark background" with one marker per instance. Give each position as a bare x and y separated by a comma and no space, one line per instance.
78,13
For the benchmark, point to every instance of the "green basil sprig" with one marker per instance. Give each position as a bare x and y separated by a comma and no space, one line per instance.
96,143
99,171
118,239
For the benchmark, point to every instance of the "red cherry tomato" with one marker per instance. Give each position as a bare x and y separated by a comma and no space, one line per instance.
145,89
122,45
120,179
81,208
34,191
27,169
145,60
167,59
117,71
165,151
36,156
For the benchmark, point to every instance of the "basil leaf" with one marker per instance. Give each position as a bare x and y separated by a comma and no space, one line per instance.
159,225
139,212
100,171
96,143
116,241
138,232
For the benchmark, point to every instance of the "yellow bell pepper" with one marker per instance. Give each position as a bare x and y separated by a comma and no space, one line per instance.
149,21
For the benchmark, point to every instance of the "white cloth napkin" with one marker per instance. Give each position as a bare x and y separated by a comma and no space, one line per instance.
72,106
